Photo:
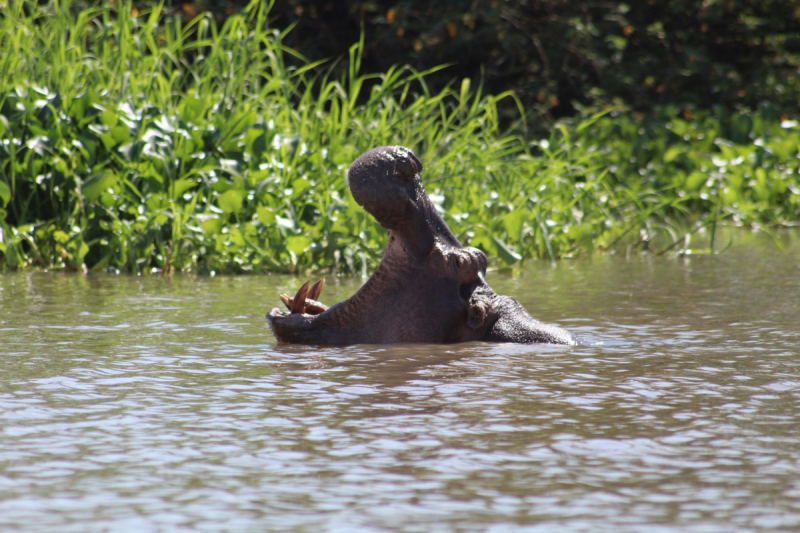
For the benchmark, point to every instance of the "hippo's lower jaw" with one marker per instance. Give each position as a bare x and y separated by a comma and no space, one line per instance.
428,287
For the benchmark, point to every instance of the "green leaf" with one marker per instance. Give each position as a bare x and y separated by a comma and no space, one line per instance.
695,180
506,252
60,237
673,152
82,103
109,118
94,186
300,186
192,108
11,257
230,201
213,226
255,142
3,125
5,193
181,186
265,216
513,223
298,244
120,134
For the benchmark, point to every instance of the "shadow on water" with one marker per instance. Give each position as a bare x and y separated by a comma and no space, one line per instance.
142,404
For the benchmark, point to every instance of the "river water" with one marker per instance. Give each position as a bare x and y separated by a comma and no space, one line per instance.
143,404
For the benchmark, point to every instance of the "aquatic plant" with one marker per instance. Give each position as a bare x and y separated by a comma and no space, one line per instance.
134,141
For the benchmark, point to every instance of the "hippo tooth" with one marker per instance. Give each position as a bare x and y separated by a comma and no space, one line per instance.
316,290
299,302
287,301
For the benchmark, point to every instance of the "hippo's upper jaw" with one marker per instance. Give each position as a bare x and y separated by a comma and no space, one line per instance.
427,288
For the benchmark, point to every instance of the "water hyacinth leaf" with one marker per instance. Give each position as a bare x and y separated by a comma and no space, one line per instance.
102,181
265,216
695,180
505,252
259,146
298,244
236,236
109,118
255,142
230,201
213,226
5,193
300,186
120,134
179,187
60,237
673,152
513,223
192,108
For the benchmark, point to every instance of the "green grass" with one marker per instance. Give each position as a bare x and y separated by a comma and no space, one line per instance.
141,142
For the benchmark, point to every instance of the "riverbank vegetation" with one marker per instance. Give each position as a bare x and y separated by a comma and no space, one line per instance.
136,141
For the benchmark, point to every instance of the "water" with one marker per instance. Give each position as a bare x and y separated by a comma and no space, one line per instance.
144,404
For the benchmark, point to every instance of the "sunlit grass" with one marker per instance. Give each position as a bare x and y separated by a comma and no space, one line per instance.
137,141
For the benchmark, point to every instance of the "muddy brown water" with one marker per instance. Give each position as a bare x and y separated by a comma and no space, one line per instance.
142,404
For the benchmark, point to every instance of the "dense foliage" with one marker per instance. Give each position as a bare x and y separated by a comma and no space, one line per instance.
556,54
136,141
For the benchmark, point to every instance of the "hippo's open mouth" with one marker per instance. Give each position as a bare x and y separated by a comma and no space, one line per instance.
427,288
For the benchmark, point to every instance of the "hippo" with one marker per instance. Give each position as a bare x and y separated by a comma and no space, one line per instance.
428,288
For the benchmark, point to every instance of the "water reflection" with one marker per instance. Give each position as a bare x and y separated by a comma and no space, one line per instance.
141,404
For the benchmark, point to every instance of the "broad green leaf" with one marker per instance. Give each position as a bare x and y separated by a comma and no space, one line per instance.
265,216
192,108
300,186
179,187
120,134
506,252
213,226
80,252
94,186
513,223
230,201
255,142
236,236
109,118
298,244
695,180
673,152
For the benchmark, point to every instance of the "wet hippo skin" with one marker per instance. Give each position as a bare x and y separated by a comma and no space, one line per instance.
428,287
